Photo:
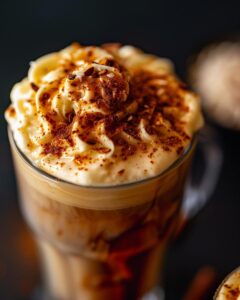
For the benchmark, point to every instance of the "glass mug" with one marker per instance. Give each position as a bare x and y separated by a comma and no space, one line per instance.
109,242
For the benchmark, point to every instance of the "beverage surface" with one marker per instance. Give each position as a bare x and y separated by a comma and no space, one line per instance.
230,288
102,115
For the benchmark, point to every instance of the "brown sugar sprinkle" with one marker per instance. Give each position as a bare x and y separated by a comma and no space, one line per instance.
171,141
64,133
11,111
34,86
232,292
102,150
150,155
50,148
110,63
44,98
132,131
121,172
143,147
180,150
153,96
50,118
128,150
71,76
82,160
89,71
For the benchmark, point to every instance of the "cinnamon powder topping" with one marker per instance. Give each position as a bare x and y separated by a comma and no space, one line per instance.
112,108
125,102
232,292
158,100
34,86
12,111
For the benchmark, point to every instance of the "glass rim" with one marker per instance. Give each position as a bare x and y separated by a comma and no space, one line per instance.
101,187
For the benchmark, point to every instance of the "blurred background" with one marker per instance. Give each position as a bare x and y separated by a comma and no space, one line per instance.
174,29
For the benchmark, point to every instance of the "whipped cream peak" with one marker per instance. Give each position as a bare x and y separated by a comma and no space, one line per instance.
100,115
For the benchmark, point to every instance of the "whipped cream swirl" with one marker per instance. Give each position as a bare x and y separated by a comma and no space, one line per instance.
102,115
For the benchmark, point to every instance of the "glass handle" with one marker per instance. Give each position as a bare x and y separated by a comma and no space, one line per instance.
200,186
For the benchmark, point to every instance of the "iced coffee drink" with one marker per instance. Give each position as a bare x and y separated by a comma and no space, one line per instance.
102,138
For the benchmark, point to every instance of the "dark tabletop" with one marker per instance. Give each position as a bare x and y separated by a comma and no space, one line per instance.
175,29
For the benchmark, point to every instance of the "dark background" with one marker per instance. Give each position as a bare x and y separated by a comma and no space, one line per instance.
175,29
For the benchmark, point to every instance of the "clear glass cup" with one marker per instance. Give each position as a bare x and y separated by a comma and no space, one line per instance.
100,243
230,287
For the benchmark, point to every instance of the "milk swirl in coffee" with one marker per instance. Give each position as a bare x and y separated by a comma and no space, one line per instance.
102,115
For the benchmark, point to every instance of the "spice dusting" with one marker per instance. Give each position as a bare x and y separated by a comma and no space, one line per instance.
124,102
99,104
232,292
12,111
